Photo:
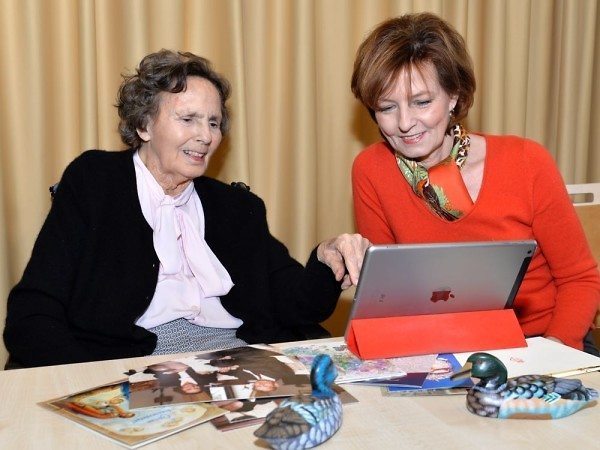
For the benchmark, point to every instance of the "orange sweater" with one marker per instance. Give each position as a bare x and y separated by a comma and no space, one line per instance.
522,196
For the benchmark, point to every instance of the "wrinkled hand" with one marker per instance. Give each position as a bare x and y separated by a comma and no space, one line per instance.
344,255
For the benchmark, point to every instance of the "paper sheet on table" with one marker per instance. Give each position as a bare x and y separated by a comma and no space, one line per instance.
544,357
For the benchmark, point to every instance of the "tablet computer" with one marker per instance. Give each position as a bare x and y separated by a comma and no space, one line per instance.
414,279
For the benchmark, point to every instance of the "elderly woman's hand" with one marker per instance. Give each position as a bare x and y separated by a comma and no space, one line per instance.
344,254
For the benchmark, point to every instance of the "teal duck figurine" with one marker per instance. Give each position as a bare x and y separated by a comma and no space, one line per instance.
524,397
308,420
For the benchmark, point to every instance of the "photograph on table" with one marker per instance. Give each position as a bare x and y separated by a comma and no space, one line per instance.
245,413
238,373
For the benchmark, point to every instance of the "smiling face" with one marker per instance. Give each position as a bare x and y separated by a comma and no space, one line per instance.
181,138
265,385
413,115
190,388
168,367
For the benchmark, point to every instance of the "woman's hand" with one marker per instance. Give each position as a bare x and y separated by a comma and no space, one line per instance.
344,255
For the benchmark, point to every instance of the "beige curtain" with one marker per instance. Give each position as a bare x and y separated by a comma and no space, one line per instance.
296,127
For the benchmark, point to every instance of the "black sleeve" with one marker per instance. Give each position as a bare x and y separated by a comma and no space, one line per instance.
36,331
302,295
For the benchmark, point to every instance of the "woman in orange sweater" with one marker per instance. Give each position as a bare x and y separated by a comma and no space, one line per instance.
432,181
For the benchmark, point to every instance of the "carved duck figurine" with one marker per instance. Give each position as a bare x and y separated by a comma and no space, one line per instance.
308,420
524,397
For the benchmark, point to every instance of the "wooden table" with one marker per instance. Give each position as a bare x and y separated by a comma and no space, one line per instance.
376,422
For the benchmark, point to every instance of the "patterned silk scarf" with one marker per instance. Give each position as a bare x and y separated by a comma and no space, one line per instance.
442,187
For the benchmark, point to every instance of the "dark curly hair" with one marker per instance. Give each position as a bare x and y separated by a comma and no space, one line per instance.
413,40
138,98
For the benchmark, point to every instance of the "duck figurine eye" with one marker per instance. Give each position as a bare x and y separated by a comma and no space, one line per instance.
524,397
306,421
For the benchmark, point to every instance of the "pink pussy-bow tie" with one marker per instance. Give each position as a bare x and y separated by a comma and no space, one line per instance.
172,223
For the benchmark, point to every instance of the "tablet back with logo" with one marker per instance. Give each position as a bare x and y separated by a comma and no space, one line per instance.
414,279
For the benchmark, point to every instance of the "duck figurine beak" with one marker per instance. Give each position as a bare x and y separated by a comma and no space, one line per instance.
464,372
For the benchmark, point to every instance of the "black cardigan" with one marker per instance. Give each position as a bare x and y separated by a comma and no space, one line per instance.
93,269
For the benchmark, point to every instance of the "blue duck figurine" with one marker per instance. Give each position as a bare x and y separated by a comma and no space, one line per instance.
308,420
524,397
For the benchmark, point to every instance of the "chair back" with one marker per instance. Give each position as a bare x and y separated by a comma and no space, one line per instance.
586,199
52,190
585,194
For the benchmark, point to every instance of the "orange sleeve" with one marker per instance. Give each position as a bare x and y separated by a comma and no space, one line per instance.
561,238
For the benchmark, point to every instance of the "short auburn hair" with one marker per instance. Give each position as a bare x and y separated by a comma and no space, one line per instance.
413,40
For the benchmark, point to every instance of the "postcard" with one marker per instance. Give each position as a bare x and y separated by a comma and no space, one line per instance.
386,392
244,413
411,380
351,368
439,378
105,410
239,373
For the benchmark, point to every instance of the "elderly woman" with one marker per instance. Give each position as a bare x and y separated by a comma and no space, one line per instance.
141,254
431,180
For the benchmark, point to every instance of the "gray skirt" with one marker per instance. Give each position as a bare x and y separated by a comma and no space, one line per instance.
181,336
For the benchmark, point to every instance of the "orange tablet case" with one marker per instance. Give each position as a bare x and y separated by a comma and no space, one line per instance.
389,337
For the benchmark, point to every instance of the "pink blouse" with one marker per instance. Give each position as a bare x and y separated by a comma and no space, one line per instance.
190,277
